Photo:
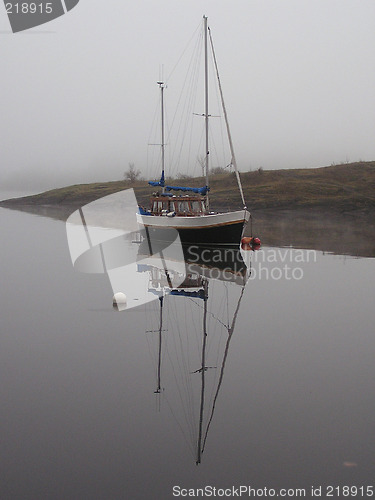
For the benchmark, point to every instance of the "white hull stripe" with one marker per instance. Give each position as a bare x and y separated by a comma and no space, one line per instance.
200,222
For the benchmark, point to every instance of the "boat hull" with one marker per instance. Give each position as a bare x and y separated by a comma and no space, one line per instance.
208,230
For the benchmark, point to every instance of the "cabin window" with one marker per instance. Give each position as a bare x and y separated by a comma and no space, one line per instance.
196,206
184,206
157,206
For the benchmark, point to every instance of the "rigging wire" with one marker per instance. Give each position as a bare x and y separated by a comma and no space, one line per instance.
227,123
181,131
221,150
214,326
184,383
186,102
230,333
208,313
153,163
188,436
184,51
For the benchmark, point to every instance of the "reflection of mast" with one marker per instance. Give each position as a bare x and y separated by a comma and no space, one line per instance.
203,371
230,332
195,286
230,329
161,299
159,332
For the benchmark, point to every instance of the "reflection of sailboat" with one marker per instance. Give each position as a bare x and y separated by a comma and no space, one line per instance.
202,376
148,268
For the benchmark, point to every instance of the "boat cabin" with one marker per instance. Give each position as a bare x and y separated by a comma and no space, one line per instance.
178,205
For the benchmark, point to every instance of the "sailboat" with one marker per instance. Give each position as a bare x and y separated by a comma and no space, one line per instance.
189,213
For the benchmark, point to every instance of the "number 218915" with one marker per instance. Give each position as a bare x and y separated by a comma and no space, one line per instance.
29,8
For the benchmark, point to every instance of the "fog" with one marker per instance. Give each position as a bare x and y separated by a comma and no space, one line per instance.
78,94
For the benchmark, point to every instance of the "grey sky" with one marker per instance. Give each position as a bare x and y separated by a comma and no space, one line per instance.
78,94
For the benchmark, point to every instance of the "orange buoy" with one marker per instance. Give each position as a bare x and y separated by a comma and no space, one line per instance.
246,246
252,242
246,240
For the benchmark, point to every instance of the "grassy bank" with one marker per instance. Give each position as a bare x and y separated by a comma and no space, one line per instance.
339,189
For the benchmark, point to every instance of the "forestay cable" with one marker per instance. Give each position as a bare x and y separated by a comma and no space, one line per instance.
234,162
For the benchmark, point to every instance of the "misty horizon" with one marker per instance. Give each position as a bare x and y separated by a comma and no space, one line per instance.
78,102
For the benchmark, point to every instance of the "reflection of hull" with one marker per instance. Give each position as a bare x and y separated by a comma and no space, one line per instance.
222,262
219,257
214,229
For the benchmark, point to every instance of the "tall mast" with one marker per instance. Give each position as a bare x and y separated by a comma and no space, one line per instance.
207,152
161,85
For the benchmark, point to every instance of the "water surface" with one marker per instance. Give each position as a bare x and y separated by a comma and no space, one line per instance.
80,416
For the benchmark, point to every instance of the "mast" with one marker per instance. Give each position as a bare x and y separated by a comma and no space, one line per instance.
162,87
206,101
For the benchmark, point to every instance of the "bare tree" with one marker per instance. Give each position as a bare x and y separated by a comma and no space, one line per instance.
218,170
184,176
202,162
132,174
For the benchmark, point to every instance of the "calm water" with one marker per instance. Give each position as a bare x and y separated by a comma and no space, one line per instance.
80,416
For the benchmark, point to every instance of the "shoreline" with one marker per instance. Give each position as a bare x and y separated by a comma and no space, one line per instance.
342,189
329,208
351,234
